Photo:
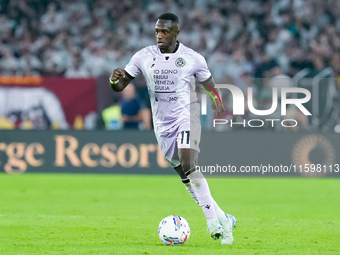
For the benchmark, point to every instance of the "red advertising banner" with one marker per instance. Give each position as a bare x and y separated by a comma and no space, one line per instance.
46,102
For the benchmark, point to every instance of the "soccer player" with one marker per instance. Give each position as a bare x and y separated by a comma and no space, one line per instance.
169,68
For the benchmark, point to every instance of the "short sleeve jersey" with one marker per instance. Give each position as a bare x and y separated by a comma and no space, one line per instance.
170,80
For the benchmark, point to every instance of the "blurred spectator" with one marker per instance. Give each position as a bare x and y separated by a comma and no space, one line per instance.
9,64
112,115
134,113
77,70
108,29
279,80
52,21
89,38
129,112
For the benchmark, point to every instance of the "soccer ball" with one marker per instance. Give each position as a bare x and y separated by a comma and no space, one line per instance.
173,230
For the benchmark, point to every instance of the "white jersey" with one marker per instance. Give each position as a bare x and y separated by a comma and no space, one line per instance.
169,78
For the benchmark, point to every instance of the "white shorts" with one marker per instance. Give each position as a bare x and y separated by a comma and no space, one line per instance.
182,135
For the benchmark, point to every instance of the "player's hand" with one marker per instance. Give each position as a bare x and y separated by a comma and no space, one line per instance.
218,109
117,74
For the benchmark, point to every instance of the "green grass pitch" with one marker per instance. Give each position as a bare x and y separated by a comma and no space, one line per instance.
119,214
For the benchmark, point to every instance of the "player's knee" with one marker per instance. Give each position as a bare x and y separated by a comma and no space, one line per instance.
188,166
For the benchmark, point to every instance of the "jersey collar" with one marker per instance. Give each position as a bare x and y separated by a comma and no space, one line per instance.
178,45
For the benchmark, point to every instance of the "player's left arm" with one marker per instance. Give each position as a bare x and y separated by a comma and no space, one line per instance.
203,75
210,85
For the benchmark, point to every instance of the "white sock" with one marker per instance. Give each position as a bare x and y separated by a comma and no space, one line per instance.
219,212
201,189
187,184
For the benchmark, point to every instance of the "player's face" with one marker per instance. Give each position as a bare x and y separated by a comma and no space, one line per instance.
166,34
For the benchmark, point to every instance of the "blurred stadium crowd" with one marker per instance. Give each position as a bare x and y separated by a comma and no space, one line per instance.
88,38
241,40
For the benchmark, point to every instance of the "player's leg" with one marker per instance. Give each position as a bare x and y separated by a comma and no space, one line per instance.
186,182
227,221
200,187
221,216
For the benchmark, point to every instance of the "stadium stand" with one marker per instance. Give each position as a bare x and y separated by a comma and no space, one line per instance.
240,39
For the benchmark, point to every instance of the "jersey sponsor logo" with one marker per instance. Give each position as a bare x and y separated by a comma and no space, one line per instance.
172,98
164,82
161,88
165,71
160,77
161,100
180,62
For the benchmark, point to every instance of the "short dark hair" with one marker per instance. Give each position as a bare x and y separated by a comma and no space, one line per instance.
170,16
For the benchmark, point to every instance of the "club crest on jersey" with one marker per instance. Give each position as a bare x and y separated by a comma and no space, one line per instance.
180,62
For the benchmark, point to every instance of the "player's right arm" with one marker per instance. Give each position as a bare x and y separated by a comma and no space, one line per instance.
119,80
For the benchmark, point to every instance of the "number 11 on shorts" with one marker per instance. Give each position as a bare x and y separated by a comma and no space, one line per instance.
185,137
